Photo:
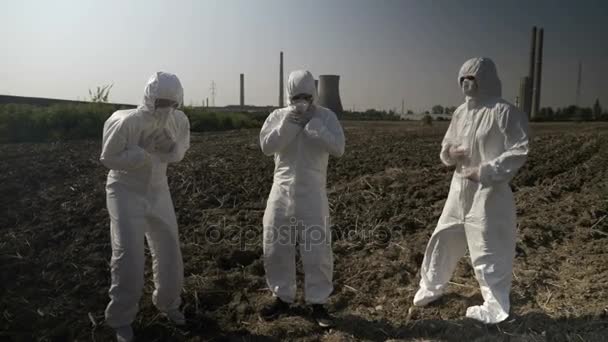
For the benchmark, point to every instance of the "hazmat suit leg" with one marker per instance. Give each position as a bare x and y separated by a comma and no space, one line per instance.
163,240
492,248
127,227
317,259
445,248
280,255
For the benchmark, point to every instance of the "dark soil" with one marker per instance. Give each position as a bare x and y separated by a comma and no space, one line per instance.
386,194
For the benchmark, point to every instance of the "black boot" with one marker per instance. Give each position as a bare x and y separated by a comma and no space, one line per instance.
321,316
274,309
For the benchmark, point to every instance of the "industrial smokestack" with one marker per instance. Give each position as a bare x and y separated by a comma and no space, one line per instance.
242,90
329,92
525,95
579,81
538,68
532,53
281,86
521,95
527,104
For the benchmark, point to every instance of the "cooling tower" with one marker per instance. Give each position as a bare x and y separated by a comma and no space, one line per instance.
329,92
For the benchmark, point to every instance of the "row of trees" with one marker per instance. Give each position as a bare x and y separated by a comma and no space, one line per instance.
573,113
548,113
370,114
439,109
436,109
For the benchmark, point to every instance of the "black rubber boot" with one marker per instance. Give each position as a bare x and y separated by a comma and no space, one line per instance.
321,316
274,309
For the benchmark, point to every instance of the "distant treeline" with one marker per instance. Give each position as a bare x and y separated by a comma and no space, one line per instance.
69,121
29,123
573,113
370,114
570,113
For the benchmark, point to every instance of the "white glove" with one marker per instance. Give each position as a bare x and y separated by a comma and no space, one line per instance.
149,143
165,142
458,153
299,119
471,173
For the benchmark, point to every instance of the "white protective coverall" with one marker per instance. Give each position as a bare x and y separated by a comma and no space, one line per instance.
139,202
479,215
297,209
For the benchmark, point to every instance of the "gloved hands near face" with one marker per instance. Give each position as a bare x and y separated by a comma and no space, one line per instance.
300,109
161,141
165,142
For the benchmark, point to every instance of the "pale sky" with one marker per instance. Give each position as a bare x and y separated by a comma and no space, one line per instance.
385,51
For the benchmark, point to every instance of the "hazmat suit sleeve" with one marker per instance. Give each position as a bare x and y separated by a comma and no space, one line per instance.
116,153
182,141
277,132
513,124
450,136
328,132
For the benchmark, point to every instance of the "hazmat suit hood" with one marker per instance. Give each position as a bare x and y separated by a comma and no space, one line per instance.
162,85
301,82
486,76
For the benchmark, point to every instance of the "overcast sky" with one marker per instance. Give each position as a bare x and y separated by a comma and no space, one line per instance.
384,51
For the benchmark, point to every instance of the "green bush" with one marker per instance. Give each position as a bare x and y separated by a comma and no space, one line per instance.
28,123
21,123
201,120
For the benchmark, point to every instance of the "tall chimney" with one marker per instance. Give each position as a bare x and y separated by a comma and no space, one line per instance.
329,93
521,95
281,86
578,83
532,53
538,68
525,95
527,100
242,90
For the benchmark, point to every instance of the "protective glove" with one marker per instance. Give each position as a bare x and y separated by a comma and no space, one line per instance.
457,153
149,143
164,142
299,119
471,173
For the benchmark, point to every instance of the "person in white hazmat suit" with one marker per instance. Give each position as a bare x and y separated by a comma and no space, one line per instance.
487,140
137,146
301,137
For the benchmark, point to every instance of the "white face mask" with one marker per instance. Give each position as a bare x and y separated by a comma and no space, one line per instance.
469,87
301,106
